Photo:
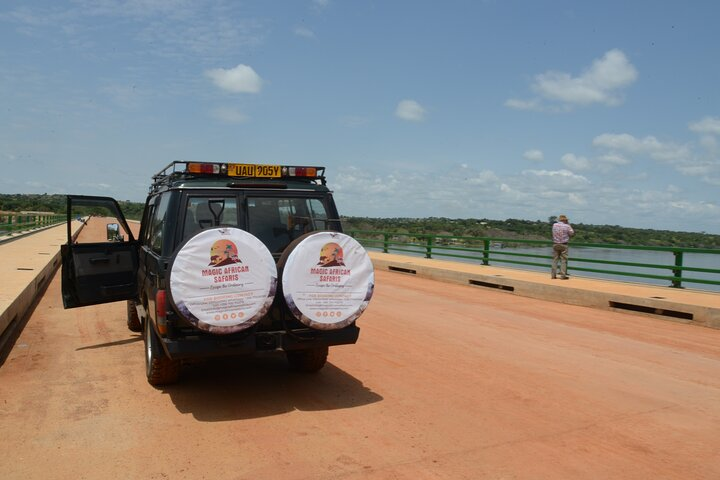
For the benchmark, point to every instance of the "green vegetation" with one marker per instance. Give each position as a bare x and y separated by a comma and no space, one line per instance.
467,227
57,204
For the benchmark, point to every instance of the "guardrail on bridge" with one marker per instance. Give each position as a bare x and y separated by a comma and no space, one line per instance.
11,222
669,264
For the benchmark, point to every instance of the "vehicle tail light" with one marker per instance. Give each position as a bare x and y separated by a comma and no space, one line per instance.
302,171
211,168
161,311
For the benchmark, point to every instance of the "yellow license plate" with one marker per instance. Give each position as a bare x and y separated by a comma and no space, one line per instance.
257,171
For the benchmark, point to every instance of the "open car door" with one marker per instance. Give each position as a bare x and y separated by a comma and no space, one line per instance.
100,262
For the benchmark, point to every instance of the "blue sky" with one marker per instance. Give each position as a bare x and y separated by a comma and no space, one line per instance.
607,111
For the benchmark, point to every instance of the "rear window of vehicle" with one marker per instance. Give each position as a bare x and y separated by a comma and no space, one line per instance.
208,212
277,221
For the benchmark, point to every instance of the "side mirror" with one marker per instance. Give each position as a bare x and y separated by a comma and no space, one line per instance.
113,233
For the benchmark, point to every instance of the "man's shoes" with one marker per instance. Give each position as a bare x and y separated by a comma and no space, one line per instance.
563,277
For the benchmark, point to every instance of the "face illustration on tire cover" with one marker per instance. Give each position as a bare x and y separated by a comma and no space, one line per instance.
331,255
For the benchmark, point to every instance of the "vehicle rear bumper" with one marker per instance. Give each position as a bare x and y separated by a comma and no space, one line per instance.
203,346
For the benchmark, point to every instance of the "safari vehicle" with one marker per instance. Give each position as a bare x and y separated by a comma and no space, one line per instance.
230,259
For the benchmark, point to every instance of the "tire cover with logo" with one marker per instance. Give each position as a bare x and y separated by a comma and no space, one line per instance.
223,280
327,279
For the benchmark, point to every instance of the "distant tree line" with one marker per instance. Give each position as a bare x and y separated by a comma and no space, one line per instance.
532,230
57,204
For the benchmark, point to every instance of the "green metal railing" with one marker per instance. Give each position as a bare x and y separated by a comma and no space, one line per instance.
499,251
11,223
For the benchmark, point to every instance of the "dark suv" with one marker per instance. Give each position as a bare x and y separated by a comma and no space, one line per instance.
218,267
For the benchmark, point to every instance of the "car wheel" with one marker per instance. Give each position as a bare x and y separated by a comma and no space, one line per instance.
308,361
160,369
133,320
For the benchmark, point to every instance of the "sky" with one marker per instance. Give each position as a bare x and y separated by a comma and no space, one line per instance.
608,112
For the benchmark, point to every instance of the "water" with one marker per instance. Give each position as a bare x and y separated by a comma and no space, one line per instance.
607,254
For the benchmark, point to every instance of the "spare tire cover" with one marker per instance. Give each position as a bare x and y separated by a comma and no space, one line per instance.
223,280
327,280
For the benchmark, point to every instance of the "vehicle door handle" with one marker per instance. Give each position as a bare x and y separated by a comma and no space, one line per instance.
99,260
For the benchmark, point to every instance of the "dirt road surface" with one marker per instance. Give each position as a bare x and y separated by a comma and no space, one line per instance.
446,382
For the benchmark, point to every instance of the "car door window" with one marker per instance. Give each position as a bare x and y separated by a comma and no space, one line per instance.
99,221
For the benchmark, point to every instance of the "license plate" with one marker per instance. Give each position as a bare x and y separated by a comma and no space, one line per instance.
257,171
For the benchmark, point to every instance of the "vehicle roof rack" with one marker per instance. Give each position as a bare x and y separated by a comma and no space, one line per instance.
181,170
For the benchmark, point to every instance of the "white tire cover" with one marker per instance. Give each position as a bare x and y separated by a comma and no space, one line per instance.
223,280
327,280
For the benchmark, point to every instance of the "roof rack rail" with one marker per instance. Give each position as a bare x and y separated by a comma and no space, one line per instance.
167,174
182,169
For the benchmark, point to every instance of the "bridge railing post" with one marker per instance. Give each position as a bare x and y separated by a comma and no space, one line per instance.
428,247
677,272
386,237
486,252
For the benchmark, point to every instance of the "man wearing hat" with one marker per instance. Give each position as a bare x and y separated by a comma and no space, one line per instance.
561,232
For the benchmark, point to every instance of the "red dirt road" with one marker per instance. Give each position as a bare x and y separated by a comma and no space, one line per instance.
446,382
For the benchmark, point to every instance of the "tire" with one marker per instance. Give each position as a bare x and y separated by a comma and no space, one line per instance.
301,277
307,361
133,320
160,369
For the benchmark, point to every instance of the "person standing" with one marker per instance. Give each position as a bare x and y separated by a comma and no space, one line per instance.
561,233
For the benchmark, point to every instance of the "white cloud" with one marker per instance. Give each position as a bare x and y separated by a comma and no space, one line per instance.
709,142
410,110
650,146
707,125
167,28
682,158
534,155
574,162
485,177
241,79
518,104
303,32
601,83
613,159
416,192
577,199
598,84
698,209
320,4
229,115
557,178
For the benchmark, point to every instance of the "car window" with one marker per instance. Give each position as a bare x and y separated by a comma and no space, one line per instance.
318,214
278,221
147,221
158,223
206,212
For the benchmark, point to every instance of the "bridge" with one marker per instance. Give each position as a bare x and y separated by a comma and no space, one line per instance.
461,372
